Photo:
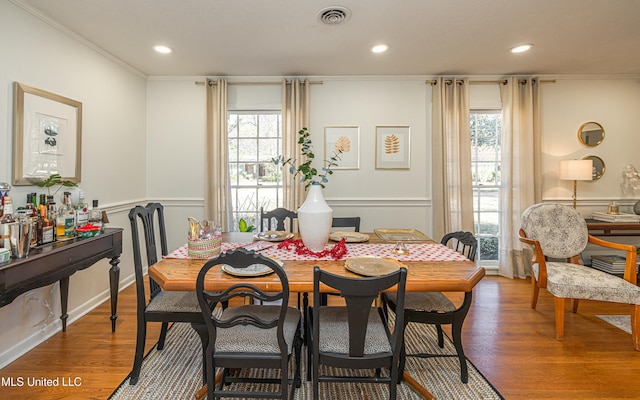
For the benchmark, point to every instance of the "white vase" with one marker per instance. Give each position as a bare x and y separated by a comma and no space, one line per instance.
314,219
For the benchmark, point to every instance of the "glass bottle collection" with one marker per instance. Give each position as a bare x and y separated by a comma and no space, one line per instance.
50,223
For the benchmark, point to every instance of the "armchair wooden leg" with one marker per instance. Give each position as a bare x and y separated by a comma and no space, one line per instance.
559,308
575,305
536,290
635,326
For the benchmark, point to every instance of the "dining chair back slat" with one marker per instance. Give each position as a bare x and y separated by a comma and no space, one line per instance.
346,222
275,220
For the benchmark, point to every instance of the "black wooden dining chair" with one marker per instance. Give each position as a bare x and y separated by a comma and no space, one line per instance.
249,336
346,222
275,220
157,305
356,336
435,308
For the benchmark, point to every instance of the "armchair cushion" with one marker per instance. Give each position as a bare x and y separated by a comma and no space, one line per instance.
573,281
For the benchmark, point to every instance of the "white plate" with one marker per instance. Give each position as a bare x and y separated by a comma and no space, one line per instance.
251,270
371,266
349,237
273,236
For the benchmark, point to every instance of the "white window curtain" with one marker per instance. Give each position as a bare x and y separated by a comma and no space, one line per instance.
521,169
295,116
217,195
451,140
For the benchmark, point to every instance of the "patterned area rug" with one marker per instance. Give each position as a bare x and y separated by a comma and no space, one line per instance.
619,321
176,371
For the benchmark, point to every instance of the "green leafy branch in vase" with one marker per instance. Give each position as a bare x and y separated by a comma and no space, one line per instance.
309,174
55,179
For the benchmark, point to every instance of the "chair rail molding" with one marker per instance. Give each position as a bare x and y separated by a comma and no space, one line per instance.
379,202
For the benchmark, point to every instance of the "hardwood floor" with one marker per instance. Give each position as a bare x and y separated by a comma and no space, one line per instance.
512,345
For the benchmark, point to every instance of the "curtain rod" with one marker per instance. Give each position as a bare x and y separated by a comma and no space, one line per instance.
259,83
502,81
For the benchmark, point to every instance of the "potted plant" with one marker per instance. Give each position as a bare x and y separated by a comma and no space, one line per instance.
55,179
314,215
310,175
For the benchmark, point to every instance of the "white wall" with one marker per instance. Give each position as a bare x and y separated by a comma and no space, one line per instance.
567,104
113,156
382,198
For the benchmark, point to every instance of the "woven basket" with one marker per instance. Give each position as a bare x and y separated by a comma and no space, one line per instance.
204,248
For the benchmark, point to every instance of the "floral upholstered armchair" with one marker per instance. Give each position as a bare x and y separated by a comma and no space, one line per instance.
558,232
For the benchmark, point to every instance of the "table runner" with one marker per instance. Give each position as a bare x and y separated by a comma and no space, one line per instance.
417,251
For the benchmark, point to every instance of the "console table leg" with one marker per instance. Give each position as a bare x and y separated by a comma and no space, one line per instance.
64,299
114,278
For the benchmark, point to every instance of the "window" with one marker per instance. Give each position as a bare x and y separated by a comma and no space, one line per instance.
486,152
255,137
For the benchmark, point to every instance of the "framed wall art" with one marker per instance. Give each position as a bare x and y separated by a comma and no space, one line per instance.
47,136
393,147
347,139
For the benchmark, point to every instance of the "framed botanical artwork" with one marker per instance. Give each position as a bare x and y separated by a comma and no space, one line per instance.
393,149
347,139
47,136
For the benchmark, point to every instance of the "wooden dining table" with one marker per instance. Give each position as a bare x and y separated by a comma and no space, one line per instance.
180,273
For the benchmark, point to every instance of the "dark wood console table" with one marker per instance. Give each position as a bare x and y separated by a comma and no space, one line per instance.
601,228
57,261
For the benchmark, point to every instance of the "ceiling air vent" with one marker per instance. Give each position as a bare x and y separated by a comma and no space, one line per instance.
334,15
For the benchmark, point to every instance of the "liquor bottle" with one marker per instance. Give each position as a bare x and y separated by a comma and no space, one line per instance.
82,211
66,222
31,215
7,218
31,210
46,233
95,215
7,215
52,216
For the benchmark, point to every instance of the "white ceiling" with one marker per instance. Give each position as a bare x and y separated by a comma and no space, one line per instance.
426,37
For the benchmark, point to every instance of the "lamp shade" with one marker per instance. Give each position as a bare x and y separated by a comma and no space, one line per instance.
576,170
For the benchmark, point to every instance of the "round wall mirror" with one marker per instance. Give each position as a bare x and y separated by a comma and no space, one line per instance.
591,133
598,166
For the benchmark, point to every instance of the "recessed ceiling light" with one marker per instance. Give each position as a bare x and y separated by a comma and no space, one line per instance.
163,49
380,48
522,48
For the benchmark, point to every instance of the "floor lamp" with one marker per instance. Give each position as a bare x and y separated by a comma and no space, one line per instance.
576,170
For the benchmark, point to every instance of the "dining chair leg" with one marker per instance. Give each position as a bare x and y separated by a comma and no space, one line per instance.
403,352
163,335
201,329
440,336
137,359
308,342
297,345
456,333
